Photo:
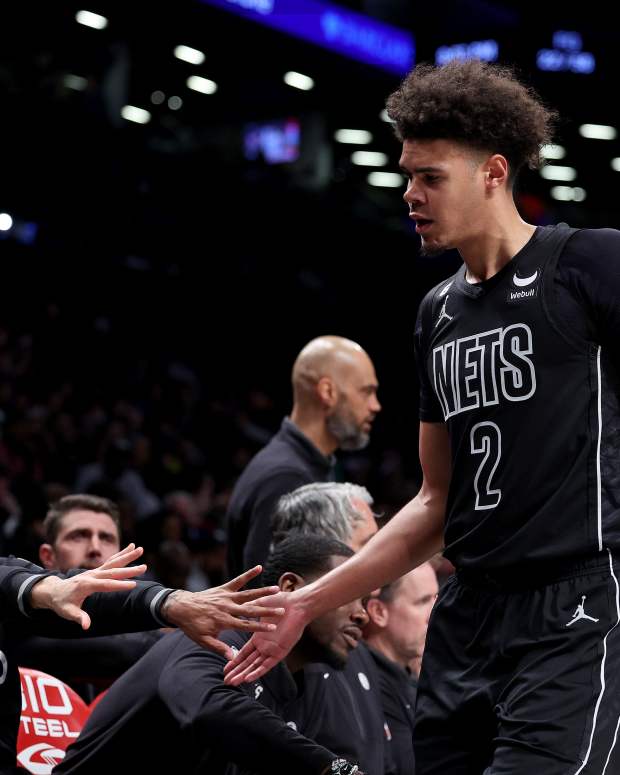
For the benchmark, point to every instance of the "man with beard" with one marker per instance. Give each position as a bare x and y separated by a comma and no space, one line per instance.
334,405
81,531
173,712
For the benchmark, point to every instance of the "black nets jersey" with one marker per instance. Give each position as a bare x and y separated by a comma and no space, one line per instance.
523,369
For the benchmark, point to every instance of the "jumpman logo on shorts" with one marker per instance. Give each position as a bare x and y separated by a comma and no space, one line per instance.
580,613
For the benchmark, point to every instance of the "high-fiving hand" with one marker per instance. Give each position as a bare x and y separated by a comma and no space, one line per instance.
266,649
202,615
66,596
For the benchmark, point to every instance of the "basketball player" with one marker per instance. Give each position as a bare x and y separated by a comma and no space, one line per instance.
519,436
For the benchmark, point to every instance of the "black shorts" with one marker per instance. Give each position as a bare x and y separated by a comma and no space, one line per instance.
523,679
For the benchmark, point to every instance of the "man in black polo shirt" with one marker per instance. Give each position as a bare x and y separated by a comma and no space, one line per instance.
340,707
334,405
395,636
172,712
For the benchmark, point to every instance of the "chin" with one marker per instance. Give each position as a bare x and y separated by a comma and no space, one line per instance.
336,659
432,248
355,443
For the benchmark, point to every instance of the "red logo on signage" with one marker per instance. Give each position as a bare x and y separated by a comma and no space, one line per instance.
52,717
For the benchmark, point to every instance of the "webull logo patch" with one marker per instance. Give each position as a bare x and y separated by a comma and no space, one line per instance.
522,295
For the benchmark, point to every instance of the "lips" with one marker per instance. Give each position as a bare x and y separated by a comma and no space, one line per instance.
422,225
352,636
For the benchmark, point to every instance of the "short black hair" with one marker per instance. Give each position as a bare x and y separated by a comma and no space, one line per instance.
82,502
481,105
304,555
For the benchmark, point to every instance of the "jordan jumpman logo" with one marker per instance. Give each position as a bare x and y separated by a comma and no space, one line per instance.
580,613
443,314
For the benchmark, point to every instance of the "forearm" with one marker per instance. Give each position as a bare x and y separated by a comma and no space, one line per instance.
254,737
111,612
410,538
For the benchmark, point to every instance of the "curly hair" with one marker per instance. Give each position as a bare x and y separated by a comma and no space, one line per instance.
481,105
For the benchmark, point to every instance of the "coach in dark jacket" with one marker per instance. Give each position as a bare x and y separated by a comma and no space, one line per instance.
334,405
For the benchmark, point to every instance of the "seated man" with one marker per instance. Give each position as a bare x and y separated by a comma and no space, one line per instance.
172,712
136,605
338,510
395,633
83,531
340,707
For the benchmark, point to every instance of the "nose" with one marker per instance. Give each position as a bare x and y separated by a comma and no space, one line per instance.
95,545
359,615
413,195
375,406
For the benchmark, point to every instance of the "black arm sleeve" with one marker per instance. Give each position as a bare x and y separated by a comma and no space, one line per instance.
17,577
256,548
229,721
111,613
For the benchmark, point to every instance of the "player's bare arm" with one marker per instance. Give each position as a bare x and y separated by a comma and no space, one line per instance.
411,537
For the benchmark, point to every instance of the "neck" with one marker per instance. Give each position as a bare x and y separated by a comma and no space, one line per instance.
381,644
504,235
313,427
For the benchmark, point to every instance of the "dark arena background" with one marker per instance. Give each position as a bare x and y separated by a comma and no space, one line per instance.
178,222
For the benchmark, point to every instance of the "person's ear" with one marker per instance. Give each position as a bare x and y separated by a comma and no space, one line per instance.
496,171
289,582
327,392
47,555
378,612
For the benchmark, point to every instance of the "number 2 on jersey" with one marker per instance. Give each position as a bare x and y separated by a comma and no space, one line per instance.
486,440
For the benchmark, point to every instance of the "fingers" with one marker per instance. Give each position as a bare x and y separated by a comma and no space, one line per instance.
249,650
242,580
259,672
213,644
249,595
250,625
256,610
75,614
117,573
104,585
254,668
235,669
127,555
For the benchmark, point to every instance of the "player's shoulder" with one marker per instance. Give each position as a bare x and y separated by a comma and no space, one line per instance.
432,298
440,290
592,243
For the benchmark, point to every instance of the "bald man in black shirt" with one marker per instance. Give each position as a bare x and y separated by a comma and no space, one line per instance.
334,405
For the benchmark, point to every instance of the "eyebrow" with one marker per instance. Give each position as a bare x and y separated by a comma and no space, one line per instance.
80,531
429,168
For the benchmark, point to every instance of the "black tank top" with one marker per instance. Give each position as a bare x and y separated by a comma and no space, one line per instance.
523,399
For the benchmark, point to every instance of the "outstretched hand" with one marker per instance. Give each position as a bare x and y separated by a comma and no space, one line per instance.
202,615
66,596
265,649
